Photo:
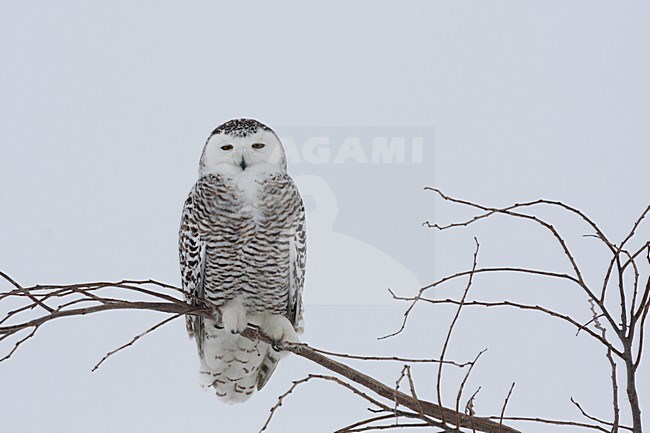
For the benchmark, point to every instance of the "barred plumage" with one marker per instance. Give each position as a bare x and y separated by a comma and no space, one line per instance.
242,247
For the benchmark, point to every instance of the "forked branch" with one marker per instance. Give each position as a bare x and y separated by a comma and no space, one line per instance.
28,309
623,311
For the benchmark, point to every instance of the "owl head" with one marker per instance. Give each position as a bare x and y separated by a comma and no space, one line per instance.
242,146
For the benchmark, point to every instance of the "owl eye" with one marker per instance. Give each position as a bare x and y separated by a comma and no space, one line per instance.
258,145
227,147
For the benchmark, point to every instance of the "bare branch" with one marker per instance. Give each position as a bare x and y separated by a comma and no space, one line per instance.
451,330
633,256
635,289
636,225
430,409
588,323
389,427
632,318
136,338
389,358
505,403
306,379
508,211
612,364
550,421
462,386
593,418
397,382
364,422
84,299
465,273
18,343
599,234
469,406
554,232
413,393
523,307
21,289
40,304
621,294
643,309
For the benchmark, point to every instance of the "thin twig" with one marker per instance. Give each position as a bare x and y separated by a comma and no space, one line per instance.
136,338
364,422
388,427
550,421
397,383
20,288
593,418
309,377
522,307
450,331
469,407
612,364
459,395
389,358
505,403
414,394
466,273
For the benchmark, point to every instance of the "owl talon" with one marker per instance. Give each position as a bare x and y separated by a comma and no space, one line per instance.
280,330
234,317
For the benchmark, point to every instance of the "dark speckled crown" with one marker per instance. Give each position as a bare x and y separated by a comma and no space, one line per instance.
240,127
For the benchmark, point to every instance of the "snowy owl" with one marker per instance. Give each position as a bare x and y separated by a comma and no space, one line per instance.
242,247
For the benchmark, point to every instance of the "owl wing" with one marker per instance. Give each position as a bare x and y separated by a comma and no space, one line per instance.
297,261
191,250
297,237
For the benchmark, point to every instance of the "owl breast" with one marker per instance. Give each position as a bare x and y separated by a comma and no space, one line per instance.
246,228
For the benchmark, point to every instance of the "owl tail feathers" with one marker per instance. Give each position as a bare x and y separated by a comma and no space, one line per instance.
228,389
267,367
189,325
231,392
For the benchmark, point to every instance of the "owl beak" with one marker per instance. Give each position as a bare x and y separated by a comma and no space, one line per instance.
242,163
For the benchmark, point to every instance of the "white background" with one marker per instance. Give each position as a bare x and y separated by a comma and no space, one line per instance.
104,109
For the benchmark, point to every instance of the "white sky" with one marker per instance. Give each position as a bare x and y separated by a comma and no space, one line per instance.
104,109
